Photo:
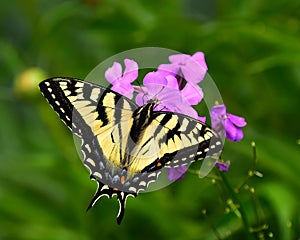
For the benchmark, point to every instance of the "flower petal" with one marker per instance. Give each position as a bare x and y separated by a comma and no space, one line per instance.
224,167
239,135
172,82
232,133
155,78
201,119
193,71
168,97
131,70
193,94
236,120
179,58
217,113
186,110
124,89
168,69
200,59
176,173
139,99
113,73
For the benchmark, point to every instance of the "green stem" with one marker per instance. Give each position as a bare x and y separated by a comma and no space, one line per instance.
236,201
197,172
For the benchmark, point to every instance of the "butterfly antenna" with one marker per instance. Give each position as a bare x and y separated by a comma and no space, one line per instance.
164,107
155,99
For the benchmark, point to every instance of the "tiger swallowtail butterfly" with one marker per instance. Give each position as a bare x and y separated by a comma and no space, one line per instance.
124,145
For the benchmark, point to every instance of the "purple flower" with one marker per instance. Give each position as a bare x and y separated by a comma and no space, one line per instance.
161,79
227,124
122,82
176,173
192,68
162,89
224,167
192,93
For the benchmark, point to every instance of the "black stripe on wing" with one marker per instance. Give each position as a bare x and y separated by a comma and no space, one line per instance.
196,140
56,98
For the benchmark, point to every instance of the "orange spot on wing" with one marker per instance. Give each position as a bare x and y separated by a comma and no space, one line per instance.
158,164
122,180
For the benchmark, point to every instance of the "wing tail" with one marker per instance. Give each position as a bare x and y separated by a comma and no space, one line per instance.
105,190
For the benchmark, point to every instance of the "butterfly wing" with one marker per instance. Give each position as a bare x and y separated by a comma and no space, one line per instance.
101,118
172,140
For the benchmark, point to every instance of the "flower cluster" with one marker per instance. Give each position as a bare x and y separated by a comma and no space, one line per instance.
175,88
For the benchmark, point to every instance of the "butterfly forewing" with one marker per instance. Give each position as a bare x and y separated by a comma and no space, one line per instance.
179,140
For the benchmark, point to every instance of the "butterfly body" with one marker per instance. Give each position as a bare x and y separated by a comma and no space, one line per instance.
124,145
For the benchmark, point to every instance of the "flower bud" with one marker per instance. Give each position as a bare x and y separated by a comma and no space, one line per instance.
26,83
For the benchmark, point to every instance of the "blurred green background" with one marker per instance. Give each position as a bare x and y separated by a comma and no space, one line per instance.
253,54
